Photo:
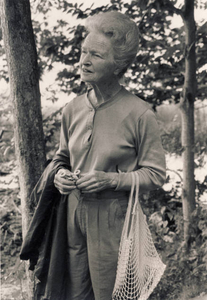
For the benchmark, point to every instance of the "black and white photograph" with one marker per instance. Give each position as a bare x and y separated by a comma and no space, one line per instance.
103,149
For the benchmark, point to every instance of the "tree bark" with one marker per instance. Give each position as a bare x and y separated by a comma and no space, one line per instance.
25,96
187,113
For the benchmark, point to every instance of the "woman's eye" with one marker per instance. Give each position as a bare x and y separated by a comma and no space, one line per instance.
96,55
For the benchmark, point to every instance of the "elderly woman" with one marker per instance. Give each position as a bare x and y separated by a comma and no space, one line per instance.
106,134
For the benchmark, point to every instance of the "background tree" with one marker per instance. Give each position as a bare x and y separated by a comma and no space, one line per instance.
187,113
25,96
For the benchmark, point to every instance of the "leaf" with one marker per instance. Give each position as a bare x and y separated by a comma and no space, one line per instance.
163,210
171,51
168,239
204,233
202,28
165,224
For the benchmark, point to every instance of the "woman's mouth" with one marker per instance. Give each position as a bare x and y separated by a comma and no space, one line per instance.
86,70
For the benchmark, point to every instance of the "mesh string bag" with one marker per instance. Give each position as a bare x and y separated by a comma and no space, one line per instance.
139,267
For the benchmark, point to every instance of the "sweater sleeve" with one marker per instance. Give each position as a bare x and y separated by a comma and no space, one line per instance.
150,156
62,156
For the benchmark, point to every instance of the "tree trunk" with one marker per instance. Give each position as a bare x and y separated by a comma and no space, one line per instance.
25,95
187,113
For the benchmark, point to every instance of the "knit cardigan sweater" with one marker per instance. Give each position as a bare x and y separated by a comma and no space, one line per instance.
120,135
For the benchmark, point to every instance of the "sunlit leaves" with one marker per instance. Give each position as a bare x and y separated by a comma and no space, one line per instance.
158,71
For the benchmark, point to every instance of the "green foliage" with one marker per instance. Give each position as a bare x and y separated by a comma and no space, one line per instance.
201,187
4,69
51,128
156,74
193,266
10,225
158,71
6,132
171,140
170,130
186,273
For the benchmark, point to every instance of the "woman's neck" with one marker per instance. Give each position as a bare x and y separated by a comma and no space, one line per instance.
103,92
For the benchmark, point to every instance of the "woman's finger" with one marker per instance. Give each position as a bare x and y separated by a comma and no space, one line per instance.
93,189
65,191
85,184
85,178
64,187
66,184
90,187
62,180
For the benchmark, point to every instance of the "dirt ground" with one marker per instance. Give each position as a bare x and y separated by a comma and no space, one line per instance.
13,291
16,291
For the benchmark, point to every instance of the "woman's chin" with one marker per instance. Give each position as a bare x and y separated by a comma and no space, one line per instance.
87,81
86,78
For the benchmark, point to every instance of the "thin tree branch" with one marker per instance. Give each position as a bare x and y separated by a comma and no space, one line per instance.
202,87
176,174
53,114
176,10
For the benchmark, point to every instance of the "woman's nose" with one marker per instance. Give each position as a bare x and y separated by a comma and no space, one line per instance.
86,60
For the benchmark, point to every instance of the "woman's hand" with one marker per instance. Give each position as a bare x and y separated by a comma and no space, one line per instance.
63,183
97,181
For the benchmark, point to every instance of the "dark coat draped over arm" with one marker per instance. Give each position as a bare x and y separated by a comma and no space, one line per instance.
45,243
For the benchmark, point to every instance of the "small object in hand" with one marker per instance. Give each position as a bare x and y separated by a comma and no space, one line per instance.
76,174
69,175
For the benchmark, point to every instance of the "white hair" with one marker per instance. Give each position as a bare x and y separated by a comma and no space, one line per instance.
123,33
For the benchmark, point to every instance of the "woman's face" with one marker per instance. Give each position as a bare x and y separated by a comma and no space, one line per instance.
97,60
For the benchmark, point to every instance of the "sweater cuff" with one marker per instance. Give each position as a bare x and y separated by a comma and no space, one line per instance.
124,181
